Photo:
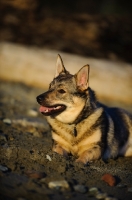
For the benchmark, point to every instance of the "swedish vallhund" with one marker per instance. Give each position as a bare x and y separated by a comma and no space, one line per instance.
80,125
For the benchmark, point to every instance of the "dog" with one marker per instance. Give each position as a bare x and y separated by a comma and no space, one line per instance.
81,125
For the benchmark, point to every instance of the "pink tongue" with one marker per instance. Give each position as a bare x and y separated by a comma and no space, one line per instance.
43,109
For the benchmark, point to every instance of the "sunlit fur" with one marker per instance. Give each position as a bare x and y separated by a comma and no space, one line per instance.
86,128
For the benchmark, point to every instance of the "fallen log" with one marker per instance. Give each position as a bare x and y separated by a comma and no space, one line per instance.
111,80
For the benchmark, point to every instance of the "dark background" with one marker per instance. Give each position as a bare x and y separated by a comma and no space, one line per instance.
99,28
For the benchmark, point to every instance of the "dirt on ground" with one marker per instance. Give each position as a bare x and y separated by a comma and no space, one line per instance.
28,167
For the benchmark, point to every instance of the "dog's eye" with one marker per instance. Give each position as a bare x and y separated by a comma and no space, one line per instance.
61,91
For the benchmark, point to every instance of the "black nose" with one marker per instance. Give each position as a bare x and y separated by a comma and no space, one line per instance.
39,99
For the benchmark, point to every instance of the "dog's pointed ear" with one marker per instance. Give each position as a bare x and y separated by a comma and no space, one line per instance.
59,66
82,78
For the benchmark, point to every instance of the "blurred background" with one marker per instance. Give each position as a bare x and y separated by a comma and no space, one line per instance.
99,28
99,33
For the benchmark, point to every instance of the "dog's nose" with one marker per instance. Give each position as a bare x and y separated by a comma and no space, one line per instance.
39,99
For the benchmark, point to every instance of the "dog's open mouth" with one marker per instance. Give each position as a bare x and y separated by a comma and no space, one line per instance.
52,109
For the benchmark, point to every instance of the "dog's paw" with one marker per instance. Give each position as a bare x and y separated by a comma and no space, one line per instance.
89,156
82,160
58,149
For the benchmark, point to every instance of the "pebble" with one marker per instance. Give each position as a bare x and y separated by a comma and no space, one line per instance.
109,179
111,198
3,168
32,113
7,121
11,138
35,122
33,131
61,168
35,174
42,180
21,198
8,152
48,157
101,196
93,191
3,137
80,188
121,185
58,184
129,189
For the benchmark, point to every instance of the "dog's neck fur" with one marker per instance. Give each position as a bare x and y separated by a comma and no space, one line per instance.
90,106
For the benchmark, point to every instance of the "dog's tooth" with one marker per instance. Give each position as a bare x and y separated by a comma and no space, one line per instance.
58,107
55,108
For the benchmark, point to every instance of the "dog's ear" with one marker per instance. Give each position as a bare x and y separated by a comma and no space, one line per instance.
59,67
82,78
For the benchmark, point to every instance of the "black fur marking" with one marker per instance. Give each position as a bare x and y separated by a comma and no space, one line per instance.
89,107
121,130
75,132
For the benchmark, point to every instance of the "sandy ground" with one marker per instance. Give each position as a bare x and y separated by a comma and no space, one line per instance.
27,164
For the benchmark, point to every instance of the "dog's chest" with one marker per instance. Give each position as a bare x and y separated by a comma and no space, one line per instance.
73,137
62,130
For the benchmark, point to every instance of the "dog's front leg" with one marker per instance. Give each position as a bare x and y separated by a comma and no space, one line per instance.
90,155
58,149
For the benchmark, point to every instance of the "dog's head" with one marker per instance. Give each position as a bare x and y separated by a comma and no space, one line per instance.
67,93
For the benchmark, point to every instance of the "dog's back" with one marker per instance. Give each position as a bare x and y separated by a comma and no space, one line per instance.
119,135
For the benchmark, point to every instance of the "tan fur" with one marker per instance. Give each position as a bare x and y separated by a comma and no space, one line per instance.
85,125
72,111
62,142
85,140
